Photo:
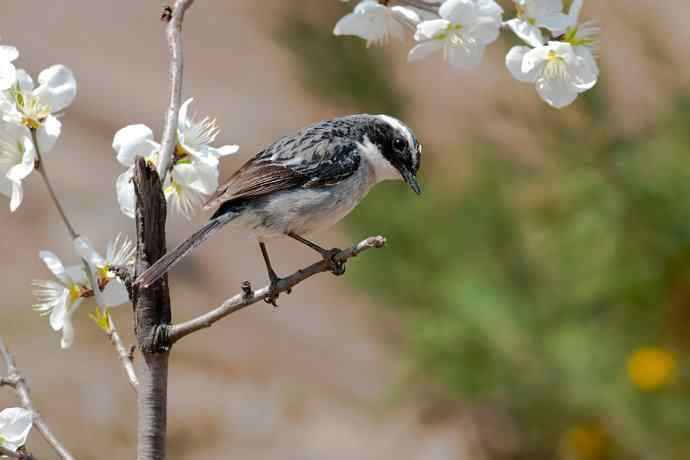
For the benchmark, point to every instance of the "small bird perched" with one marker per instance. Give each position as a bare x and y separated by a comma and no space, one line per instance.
305,183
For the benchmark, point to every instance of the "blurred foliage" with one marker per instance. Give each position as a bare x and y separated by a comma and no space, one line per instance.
560,292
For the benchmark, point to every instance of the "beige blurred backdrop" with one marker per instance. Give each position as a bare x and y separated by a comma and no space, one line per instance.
314,379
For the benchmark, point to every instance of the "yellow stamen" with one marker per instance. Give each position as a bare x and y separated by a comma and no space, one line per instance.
74,292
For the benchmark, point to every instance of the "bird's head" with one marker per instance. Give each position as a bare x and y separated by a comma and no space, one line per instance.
392,149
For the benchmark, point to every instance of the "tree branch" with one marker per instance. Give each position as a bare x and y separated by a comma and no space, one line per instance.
125,355
16,380
249,297
151,315
40,166
174,35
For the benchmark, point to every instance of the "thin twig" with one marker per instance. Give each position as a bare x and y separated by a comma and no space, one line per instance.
22,390
174,35
126,357
247,297
41,167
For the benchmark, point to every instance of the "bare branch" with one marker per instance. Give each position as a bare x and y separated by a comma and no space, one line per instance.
174,34
249,297
40,166
16,380
126,357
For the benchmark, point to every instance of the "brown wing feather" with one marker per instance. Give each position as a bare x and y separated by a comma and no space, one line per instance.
253,180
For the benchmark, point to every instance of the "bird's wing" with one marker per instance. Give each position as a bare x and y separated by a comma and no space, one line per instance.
291,163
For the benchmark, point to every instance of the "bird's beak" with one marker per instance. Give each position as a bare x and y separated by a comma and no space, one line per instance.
411,181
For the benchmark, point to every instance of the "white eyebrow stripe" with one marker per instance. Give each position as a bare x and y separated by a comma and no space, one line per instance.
399,126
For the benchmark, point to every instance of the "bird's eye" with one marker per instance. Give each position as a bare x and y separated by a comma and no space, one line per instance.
399,143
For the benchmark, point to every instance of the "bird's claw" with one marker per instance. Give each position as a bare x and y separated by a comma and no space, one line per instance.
273,292
337,268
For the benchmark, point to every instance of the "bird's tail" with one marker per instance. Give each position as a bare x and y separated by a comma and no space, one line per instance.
168,261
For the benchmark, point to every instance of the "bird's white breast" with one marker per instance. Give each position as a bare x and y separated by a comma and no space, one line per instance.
307,210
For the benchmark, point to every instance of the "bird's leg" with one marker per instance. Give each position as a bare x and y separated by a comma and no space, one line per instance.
273,292
337,268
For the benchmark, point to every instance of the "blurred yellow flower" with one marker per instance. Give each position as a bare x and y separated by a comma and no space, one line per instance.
586,441
651,368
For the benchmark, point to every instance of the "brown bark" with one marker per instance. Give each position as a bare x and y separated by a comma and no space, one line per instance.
151,316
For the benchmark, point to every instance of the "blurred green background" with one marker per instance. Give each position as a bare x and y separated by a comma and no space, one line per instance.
549,298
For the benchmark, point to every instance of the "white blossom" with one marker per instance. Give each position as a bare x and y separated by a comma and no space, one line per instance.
8,73
535,14
557,71
195,165
60,299
36,106
130,142
464,30
189,186
194,138
15,425
119,253
17,160
376,23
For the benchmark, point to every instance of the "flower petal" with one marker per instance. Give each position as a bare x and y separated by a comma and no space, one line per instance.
68,327
26,83
21,171
57,87
514,64
54,265
557,92
59,313
424,49
527,32
184,121
132,141
228,150
459,11
115,293
467,57
406,14
76,274
534,59
17,196
125,192
8,75
554,22
15,425
47,135
85,250
428,30
8,53
485,30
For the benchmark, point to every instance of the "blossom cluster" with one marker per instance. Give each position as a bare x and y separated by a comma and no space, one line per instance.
29,124
194,170
60,299
558,58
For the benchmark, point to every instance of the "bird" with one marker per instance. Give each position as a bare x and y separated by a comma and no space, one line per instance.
305,183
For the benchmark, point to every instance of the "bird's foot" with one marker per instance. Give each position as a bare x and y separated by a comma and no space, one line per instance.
274,291
337,268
